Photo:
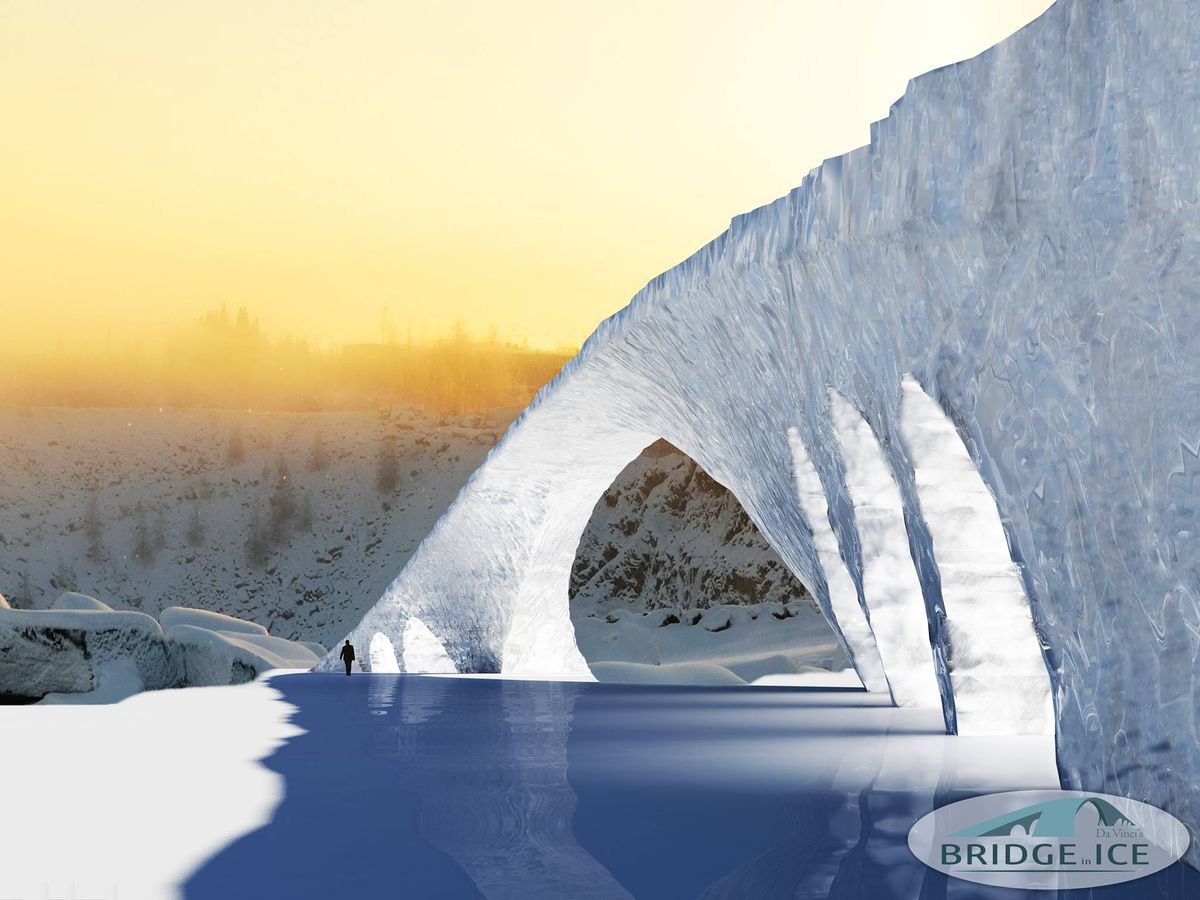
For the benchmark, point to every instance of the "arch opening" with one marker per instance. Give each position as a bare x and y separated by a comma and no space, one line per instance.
381,655
423,652
672,581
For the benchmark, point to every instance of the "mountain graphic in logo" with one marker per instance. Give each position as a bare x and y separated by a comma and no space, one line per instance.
1055,818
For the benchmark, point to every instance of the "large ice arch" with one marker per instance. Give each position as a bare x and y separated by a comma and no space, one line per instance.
1021,236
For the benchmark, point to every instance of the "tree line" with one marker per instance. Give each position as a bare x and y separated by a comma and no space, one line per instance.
227,361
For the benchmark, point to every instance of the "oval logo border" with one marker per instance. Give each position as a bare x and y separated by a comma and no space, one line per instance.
1026,839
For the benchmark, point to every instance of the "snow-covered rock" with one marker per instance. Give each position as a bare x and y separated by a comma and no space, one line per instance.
210,621
75,600
51,651
288,654
717,620
228,657
85,654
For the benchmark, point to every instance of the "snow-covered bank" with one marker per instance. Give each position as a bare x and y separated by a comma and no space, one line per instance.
121,802
82,651
718,645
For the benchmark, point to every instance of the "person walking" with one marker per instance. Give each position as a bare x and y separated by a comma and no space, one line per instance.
348,655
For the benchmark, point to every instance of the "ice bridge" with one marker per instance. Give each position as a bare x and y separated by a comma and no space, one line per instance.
952,377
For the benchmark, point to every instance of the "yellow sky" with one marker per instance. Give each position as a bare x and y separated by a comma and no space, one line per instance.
527,165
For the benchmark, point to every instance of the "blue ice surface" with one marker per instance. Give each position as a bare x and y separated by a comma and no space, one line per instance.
409,786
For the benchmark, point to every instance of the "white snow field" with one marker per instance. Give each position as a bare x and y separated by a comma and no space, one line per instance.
1020,238
123,801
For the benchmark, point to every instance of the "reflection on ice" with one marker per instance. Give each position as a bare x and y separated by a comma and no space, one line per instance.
532,789
445,786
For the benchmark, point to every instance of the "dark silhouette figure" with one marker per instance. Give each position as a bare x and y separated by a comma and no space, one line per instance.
348,655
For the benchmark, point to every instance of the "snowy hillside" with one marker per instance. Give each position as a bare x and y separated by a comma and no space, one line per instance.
294,521
666,534
299,521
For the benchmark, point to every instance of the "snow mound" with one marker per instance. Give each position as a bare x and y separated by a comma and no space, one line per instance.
669,673
114,681
318,649
210,621
77,601
290,654
748,641
813,678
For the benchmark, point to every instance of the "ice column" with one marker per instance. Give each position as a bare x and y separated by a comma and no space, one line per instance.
891,588
999,676
843,596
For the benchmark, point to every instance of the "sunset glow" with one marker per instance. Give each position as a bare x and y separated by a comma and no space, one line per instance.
355,171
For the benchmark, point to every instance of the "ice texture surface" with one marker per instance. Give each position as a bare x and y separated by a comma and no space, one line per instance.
423,652
1021,236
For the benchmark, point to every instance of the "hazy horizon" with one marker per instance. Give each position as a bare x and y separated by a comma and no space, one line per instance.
225,359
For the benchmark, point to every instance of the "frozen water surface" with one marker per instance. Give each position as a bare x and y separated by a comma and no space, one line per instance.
465,787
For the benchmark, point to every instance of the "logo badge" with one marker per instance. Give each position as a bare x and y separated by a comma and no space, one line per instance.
1047,840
